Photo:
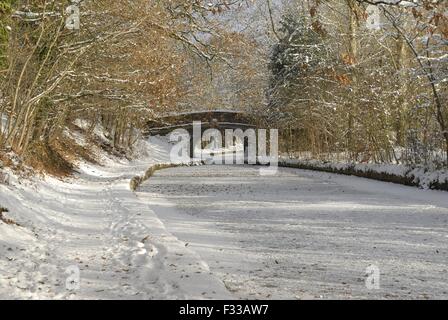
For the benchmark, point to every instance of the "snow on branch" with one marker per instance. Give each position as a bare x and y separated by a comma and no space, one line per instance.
404,3
33,16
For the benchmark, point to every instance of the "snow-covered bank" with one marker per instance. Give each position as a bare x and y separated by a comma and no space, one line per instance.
94,222
422,177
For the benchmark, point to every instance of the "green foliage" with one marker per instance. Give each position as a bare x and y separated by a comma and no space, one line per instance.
5,13
5,6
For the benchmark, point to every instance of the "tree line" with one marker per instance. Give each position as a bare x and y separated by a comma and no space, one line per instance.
343,80
126,63
366,81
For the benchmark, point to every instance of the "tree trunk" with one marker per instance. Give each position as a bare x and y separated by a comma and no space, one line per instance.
353,54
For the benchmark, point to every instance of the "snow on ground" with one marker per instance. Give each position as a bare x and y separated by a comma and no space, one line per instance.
421,176
219,232
304,234
95,223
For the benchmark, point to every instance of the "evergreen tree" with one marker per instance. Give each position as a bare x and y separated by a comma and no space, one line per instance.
297,56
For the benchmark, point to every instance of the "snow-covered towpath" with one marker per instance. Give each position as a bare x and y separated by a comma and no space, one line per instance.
94,224
303,234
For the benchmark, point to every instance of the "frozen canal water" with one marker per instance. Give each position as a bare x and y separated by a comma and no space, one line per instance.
306,235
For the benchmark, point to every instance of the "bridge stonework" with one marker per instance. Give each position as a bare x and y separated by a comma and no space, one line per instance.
216,119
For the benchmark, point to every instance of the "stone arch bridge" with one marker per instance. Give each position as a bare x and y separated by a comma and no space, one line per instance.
216,119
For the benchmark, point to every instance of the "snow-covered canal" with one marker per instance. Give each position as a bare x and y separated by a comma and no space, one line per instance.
303,234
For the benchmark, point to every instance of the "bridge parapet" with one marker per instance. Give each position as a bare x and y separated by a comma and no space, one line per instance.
218,119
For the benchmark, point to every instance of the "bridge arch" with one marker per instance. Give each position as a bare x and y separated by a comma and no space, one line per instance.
210,119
